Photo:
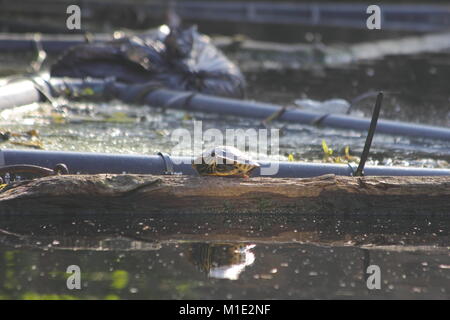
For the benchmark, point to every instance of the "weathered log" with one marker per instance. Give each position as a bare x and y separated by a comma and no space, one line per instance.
327,194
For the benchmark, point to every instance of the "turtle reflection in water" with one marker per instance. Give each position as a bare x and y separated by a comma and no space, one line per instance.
224,161
222,261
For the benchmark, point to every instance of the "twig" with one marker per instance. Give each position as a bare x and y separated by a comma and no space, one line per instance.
373,125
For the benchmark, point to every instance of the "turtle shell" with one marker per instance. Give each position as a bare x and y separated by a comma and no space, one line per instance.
224,161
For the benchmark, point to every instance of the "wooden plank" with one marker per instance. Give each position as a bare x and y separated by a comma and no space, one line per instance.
327,194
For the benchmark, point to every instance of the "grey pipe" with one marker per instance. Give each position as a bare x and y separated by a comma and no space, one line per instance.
258,110
22,93
93,163
17,94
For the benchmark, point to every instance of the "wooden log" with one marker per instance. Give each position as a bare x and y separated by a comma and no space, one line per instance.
327,194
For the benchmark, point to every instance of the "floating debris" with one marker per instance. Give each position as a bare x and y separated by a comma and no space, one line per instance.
29,138
330,106
29,144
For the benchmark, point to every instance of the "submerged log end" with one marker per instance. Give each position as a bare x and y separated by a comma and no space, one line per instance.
327,194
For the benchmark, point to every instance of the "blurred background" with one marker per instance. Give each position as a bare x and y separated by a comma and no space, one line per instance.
290,52
294,53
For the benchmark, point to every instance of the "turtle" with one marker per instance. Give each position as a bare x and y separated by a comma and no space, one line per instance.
224,161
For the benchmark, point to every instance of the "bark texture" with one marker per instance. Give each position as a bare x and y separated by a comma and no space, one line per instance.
327,194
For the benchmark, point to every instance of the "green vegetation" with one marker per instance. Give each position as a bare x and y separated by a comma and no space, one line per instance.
120,279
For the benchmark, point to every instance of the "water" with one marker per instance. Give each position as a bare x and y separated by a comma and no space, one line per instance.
224,257
246,256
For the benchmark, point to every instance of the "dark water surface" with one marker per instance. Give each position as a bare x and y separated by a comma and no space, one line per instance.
224,257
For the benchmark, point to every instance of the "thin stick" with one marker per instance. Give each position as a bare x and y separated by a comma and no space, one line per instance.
370,134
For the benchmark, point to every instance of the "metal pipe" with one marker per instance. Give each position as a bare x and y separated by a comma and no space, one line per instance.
22,93
200,102
50,43
410,17
18,94
93,163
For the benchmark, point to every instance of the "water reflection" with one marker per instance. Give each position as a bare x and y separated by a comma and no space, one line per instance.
222,261
197,256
